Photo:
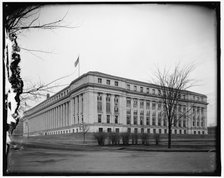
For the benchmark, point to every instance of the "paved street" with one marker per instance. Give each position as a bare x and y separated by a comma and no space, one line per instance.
40,160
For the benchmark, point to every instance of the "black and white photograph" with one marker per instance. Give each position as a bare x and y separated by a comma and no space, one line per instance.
111,88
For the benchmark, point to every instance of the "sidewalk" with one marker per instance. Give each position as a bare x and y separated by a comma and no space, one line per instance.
94,147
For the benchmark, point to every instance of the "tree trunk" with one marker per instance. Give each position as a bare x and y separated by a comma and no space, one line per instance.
169,136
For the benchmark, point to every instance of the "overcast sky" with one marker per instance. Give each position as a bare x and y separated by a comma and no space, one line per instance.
124,40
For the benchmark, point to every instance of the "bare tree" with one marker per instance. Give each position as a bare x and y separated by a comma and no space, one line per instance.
16,18
171,90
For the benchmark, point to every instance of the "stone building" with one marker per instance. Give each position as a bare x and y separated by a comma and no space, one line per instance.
109,103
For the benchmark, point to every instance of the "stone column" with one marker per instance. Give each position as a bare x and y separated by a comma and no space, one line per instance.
72,111
103,120
112,110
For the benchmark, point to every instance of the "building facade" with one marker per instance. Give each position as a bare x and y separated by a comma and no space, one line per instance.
102,102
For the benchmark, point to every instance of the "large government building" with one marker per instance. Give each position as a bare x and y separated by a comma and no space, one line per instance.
106,103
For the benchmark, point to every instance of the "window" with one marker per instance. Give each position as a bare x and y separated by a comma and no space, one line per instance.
154,131
159,119
128,86
141,89
141,104
135,117
129,130
108,82
159,106
160,131
184,123
108,103
135,88
99,118
108,119
185,132
153,118
153,105
179,123
165,131
142,130
175,131
165,122
128,116
116,83
148,130
99,80
117,130
180,131
128,102
100,129
198,124
99,102
148,118
116,119
116,102
147,90
135,103
147,104
109,130
141,117
136,130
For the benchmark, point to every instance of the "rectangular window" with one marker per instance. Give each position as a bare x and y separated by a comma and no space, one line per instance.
99,80
185,132
108,119
160,131
128,86
159,119
109,130
159,106
147,90
147,104
135,117
108,82
128,102
129,130
99,102
116,83
179,123
116,119
100,129
141,89
136,130
148,130
175,131
153,118
135,103
117,130
135,88
99,118
148,119
180,131
184,123
116,102
108,103
141,104
154,131
142,130
128,119
153,105
142,118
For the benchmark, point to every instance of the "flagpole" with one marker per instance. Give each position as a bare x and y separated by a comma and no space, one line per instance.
79,68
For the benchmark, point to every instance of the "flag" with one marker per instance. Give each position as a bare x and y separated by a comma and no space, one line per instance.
76,62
